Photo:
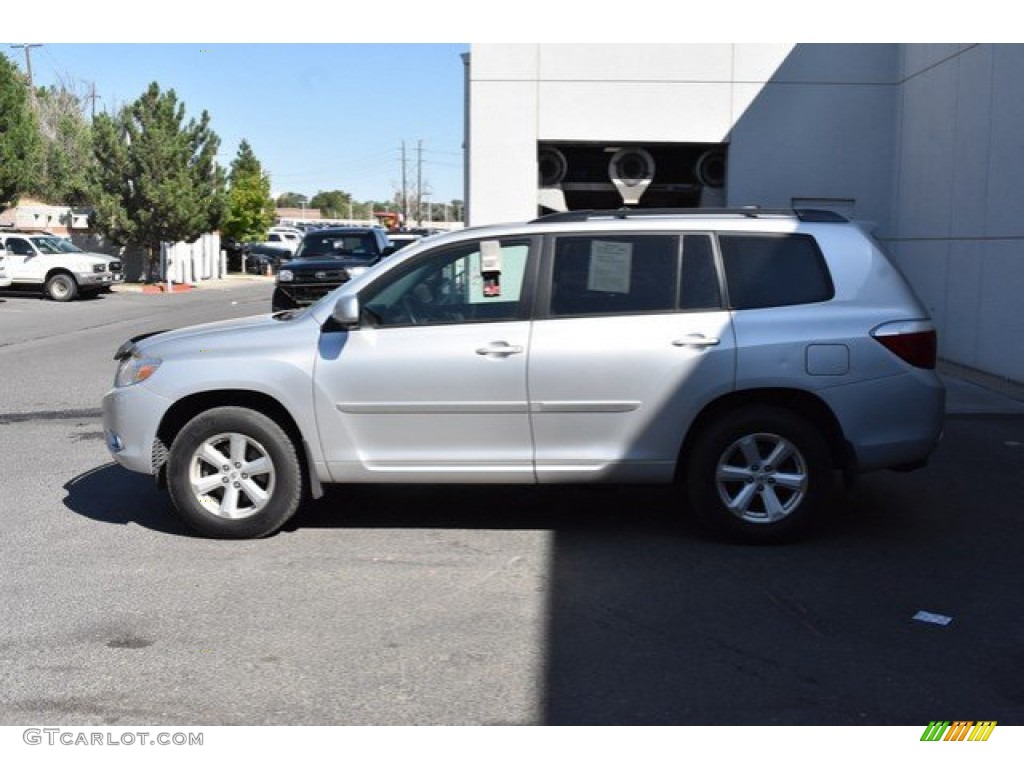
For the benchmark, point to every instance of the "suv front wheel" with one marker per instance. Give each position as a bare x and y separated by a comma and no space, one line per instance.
234,473
759,474
61,287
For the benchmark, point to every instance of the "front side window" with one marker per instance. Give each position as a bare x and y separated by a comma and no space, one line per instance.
475,282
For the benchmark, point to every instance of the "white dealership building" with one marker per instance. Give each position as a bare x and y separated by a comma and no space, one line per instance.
924,140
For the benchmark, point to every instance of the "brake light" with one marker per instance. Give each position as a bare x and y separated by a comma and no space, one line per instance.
916,342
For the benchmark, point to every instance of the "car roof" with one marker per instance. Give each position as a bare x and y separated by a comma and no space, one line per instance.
343,231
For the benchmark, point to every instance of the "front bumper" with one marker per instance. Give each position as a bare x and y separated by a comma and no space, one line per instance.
101,278
302,294
131,417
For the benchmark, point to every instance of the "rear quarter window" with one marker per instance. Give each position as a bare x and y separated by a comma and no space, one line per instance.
774,270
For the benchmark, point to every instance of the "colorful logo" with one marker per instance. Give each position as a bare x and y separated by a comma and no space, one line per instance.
959,730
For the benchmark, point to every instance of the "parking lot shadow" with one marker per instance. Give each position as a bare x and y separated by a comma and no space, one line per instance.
905,603
491,507
112,494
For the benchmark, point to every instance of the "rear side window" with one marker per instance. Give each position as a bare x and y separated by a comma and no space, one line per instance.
614,274
774,270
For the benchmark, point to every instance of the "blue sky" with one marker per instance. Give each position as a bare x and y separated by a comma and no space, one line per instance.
318,116
327,92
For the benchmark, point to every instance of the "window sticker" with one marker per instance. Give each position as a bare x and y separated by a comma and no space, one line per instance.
610,266
490,256
490,267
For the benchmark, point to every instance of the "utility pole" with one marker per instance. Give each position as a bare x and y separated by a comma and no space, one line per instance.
28,59
405,190
91,98
419,183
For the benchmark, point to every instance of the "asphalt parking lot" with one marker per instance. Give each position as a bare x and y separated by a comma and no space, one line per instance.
485,605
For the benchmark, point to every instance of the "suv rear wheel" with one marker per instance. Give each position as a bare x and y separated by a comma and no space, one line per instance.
234,473
759,474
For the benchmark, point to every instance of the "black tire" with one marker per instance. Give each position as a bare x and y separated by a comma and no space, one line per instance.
226,501
737,492
281,301
61,287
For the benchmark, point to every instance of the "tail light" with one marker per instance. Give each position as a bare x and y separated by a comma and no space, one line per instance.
913,341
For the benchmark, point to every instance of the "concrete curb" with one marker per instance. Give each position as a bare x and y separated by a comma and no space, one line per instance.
975,393
220,283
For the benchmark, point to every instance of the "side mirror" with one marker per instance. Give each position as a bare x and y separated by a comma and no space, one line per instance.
346,311
388,250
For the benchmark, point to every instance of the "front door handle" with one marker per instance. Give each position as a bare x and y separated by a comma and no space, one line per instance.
696,340
499,349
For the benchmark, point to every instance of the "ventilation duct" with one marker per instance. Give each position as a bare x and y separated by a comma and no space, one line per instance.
552,168
710,169
631,170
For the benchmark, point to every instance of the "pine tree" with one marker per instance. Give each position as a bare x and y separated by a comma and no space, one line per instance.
156,176
19,137
250,209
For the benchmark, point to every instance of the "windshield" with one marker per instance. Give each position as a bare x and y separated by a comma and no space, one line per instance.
343,245
55,245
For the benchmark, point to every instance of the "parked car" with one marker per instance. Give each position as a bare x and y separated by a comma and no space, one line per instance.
233,252
750,357
400,240
326,258
264,258
56,266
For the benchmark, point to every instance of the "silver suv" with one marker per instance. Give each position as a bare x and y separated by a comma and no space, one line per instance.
749,356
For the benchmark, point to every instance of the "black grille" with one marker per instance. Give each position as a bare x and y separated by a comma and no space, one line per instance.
338,275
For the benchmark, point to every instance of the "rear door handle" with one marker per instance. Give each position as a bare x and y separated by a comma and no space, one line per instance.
696,340
499,349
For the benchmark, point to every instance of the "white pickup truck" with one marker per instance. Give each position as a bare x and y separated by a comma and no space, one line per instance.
56,266
5,279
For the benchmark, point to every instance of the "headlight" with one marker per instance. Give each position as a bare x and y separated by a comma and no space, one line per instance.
285,276
99,267
356,271
135,368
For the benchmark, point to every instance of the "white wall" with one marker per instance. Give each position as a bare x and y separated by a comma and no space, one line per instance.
924,140
755,96
959,233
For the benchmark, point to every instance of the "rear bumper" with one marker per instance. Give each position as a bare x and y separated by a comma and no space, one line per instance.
891,423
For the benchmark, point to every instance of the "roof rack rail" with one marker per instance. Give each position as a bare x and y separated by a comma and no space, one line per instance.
751,211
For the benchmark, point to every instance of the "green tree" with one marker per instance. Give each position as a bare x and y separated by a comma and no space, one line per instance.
63,173
156,176
292,200
250,211
332,205
19,137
